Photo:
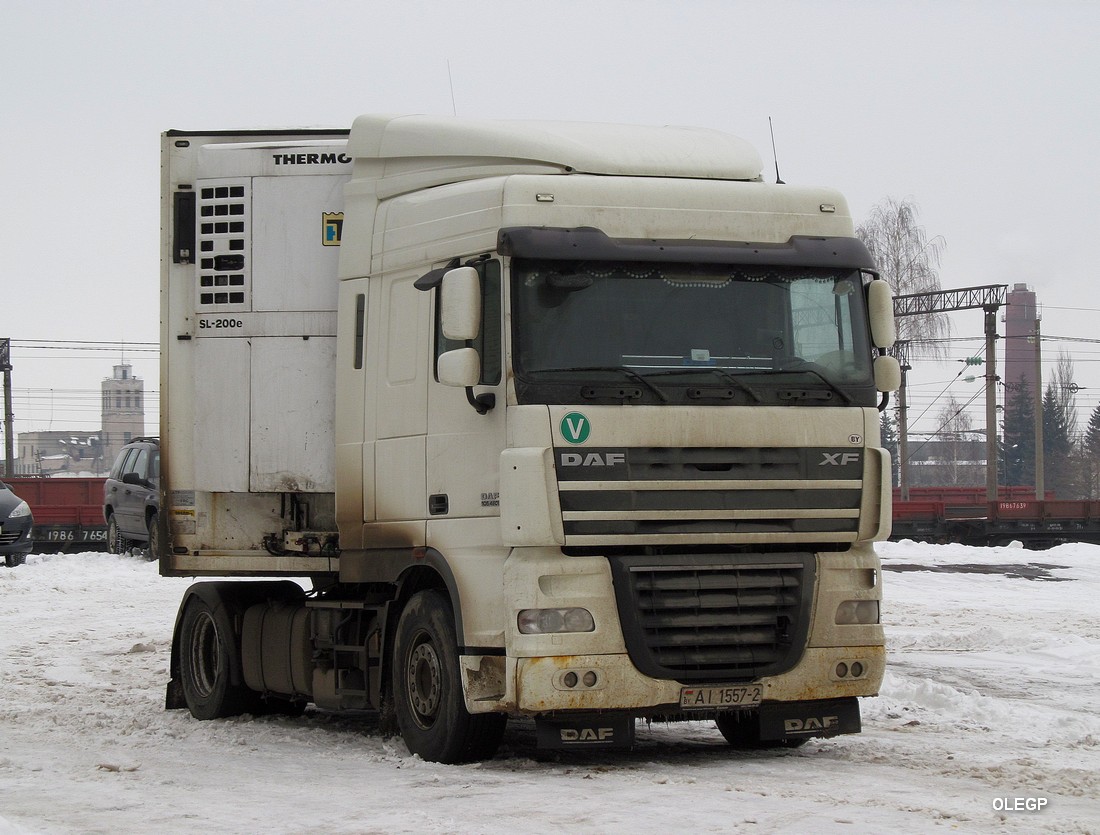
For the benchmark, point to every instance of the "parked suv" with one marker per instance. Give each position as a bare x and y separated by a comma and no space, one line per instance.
15,527
131,498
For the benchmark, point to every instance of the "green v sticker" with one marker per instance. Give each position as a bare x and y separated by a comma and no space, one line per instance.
575,428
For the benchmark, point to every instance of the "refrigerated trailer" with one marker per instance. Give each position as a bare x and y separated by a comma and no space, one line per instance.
488,419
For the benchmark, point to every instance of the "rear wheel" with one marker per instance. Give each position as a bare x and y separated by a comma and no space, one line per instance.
427,688
154,538
116,542
206,663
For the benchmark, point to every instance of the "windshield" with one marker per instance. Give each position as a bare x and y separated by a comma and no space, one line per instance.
661,332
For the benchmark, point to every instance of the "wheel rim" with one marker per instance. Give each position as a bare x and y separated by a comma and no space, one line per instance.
204,653
424,677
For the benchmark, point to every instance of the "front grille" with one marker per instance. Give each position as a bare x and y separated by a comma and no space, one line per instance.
9,538
709,495
714,617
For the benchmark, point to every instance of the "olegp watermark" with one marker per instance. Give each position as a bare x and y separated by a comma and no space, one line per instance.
1019,804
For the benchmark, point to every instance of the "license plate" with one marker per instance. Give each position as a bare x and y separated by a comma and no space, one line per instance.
732,695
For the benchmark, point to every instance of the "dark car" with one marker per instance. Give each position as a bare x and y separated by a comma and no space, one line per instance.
131,498
16,522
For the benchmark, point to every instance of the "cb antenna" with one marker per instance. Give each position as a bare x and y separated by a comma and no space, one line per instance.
771,130
451,81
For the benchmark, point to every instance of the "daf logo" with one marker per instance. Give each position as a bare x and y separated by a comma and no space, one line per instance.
839,459
592,459
793,726
587,734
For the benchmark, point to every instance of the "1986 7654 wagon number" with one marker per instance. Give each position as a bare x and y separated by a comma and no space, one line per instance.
219,324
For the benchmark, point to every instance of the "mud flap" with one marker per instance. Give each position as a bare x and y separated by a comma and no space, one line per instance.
598,731
801,720
173,695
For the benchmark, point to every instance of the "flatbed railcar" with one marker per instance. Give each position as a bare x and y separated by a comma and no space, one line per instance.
964,516
68,512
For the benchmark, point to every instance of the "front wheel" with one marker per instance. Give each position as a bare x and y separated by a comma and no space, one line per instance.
427,688
116,542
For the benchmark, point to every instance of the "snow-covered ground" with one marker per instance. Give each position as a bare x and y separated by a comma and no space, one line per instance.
992,698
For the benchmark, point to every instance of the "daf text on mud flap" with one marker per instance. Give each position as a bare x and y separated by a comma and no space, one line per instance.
811,724
587,735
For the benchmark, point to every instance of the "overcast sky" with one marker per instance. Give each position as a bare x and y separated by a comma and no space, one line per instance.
986,114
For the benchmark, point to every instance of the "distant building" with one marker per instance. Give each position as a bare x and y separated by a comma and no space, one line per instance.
947,460
123,410
89,453
47,453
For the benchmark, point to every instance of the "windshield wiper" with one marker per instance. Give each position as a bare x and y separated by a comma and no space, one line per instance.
633,375
718,372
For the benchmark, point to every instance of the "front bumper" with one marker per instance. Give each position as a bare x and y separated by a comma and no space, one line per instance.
15,536
544,685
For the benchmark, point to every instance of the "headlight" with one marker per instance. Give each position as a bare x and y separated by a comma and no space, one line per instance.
857,611
21,509
547,621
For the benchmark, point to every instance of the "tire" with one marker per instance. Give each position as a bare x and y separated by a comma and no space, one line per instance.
116,542
12,560
742,730
206,663
427,688
152,552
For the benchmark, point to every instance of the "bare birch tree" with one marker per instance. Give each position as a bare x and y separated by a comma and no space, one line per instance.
1065,393
909,262
1064,469
955,446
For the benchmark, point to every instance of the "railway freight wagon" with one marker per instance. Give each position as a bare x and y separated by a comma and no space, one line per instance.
1015,517
68,512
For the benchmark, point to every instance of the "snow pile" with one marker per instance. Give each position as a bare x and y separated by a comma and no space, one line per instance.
991,700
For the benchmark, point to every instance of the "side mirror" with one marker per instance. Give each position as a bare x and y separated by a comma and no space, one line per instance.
136,480
880,309
460,304
460,367
887,373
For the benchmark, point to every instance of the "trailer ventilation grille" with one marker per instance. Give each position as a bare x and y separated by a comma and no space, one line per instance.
224,244
709,617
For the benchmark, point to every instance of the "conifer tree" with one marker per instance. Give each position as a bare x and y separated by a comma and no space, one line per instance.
888,423
1090,452
1019,436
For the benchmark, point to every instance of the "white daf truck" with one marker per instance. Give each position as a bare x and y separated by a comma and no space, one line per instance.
574,422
